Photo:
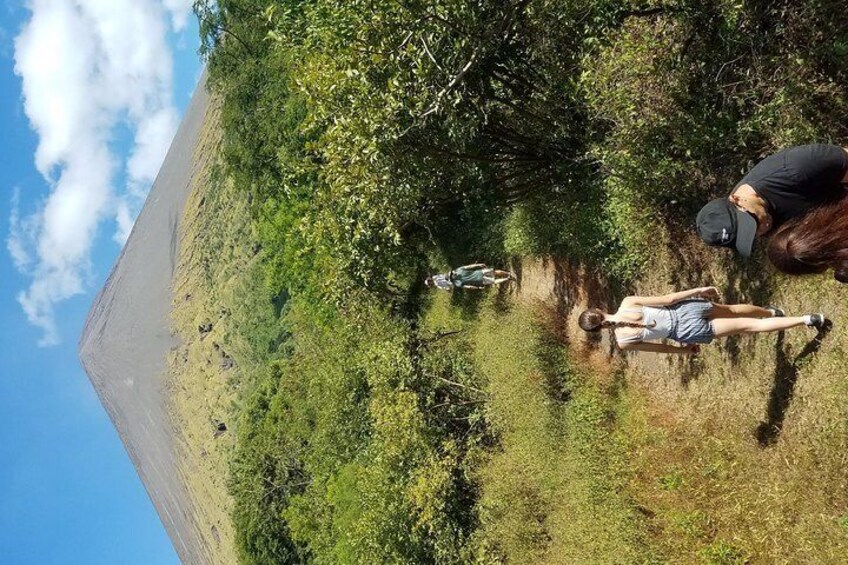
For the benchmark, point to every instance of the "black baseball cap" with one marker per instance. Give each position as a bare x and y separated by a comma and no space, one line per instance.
721,224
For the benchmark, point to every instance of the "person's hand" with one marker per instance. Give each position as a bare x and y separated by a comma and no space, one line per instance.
710,293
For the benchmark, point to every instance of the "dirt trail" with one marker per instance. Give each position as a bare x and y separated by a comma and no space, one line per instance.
567,289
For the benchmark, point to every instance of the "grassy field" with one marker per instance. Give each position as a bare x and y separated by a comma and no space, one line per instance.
736,456
551,490
576,145
200,380
740,453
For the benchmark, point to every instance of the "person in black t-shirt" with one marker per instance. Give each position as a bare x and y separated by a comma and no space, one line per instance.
781,187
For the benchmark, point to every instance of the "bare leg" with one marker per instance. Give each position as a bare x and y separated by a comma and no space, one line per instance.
502,280
739,311
724,327
502,274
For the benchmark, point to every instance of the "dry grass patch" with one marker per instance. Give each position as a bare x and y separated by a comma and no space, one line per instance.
201,371
741,454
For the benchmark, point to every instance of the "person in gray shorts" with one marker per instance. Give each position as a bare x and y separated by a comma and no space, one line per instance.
689,317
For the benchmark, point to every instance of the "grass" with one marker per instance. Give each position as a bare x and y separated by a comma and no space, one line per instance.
644,459
735,457
551,489
591,456
201,388
743,449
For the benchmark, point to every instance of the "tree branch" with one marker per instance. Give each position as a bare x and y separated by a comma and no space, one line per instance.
454,81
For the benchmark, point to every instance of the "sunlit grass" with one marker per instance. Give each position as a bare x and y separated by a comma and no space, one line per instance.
201,388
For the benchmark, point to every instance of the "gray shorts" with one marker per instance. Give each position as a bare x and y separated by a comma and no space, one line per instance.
692,321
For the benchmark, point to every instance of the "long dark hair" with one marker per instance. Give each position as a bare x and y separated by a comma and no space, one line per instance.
813,243
592,320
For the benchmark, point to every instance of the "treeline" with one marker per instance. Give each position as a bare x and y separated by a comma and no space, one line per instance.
371,135
361,126
377,138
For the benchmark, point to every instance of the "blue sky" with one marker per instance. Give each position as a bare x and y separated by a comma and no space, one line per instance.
68,492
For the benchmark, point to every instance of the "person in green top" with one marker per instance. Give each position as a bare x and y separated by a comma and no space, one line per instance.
478,276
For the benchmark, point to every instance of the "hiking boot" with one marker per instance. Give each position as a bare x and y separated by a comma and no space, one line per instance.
776,311
816,321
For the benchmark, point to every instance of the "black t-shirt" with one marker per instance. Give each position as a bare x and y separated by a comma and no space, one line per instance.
797,179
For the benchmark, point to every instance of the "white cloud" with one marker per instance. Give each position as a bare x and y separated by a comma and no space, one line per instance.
180,10
152,139
38,302
124,219
21,234
89,66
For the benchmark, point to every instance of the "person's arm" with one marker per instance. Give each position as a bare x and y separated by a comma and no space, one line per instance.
661,348
474,266
472,287
709,292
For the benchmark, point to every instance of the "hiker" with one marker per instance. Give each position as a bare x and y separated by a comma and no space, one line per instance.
442,282
475,277
813,243
690,317
784,186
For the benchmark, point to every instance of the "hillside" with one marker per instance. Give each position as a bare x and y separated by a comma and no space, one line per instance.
330,408
128,336
378,142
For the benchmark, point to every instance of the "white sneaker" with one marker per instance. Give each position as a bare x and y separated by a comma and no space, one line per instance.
815,320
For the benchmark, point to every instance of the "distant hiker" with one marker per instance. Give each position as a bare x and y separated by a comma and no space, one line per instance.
439,281
475,277
813,243
779,188
687,317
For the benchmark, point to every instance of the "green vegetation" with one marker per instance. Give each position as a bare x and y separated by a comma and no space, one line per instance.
208,276
551,492
372,142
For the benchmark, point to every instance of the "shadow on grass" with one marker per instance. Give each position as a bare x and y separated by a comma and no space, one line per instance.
550,354
689,367
502,303
785,376
468,302
518,270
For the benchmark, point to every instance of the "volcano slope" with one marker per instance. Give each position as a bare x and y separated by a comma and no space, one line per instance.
127,339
